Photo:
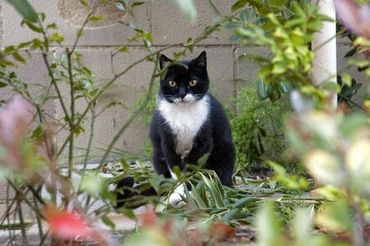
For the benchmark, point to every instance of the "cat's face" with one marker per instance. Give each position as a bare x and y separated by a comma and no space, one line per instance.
185,83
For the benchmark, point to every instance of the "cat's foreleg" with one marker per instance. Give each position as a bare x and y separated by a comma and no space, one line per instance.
160,164
222,161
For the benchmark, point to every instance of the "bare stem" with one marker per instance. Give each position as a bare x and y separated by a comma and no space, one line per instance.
72,113
92,126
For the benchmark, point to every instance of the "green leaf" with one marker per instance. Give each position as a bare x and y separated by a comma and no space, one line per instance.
244,201
244,15
352,124
197,198
273,93
84,3
187,8
37,134
25,9
33,27
56,37
331,87
261,90
336,216
123,49
136,4
106,220
96,18
269,228
3,84
347,79
18,57
238,5
285,87
202,160
213,191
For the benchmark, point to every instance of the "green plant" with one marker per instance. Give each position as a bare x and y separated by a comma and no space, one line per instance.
286,29
257,131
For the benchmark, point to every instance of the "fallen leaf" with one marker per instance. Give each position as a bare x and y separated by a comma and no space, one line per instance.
221,232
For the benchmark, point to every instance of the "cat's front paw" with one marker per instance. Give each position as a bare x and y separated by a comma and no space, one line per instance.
177,196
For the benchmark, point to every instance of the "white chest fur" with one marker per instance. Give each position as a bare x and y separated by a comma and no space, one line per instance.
185,121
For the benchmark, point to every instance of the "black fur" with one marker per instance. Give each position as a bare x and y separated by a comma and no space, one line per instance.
214,137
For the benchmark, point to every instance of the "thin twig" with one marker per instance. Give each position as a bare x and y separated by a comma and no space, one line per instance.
91,136
72,113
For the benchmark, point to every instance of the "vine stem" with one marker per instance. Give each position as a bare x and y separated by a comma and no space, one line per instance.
72,112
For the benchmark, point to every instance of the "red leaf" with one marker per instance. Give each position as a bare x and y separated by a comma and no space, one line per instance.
66,225
148,218
221,232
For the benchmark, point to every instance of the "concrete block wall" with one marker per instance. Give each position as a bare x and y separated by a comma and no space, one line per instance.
228,70
162,19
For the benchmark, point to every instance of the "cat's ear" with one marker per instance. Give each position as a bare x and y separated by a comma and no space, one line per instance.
201,60
163,60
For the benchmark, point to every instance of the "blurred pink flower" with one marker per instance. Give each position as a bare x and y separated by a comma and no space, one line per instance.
14,120
66,225
354,17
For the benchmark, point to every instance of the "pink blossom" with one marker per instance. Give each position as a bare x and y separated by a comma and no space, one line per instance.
354,17
14,120
67,225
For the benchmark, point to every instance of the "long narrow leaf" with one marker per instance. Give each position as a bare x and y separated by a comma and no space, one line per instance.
25,9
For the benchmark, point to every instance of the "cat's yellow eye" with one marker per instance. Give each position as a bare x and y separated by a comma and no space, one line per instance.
192,82
172,83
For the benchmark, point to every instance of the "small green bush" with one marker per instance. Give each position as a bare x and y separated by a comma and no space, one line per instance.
258,131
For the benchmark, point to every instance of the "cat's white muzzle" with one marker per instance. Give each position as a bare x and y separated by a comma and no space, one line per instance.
186,100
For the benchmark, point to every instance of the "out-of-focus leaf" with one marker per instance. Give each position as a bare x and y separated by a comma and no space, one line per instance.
285,87
202,161
18,57
238,5
221,232
187,8
331,87
358,166
85,3
106,220
351,125
261,90
91,183
324,167
96,18
269,229
2,84
335,216
25,9
123,49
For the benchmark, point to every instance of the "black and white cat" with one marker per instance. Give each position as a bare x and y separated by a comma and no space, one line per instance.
189,122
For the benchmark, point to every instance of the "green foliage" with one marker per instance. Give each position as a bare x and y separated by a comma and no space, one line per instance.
285,28
25,9
257,131
271,232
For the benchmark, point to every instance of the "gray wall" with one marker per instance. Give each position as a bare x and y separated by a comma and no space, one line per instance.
227,72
